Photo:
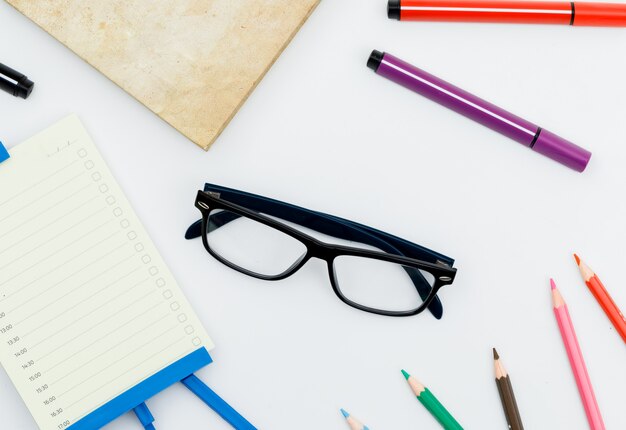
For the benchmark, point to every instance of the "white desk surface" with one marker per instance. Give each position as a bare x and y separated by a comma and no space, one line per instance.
325,132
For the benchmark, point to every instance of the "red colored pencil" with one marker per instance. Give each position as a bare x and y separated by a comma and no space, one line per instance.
512,11
602,296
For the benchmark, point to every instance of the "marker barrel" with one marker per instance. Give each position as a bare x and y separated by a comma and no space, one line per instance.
522,12
479,110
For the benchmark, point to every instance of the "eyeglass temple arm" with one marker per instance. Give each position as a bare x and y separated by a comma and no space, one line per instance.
220,219
324,223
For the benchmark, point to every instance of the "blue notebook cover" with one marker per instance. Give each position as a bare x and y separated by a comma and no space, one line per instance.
145,390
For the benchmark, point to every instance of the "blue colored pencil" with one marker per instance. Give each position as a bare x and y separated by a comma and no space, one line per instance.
353,422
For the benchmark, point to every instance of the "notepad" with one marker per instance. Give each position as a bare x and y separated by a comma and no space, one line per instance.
88,308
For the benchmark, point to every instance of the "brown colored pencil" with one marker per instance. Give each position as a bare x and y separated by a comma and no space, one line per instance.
503,382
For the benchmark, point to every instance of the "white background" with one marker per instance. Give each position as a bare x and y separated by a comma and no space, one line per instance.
324,132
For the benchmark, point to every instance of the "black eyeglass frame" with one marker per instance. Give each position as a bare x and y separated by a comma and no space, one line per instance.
209,201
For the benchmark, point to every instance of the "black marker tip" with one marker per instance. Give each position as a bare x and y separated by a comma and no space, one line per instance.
393,9
24,88
376,57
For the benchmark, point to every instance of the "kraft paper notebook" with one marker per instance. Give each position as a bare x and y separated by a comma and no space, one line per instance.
191,62
92,323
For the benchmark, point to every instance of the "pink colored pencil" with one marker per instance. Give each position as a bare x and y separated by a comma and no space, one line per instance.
576,360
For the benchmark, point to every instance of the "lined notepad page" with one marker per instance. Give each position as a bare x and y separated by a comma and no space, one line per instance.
88,309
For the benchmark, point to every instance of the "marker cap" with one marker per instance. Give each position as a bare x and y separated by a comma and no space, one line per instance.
600,14
561,150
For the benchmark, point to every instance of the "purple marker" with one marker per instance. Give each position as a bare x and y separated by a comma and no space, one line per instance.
489,115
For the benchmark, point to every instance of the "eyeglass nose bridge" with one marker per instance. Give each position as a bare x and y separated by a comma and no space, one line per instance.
320,251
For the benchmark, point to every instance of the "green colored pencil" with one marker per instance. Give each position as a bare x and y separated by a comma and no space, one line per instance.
431,403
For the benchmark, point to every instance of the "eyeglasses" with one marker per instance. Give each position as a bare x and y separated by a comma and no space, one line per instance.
251,234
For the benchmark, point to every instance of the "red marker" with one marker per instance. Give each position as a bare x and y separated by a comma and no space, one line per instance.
511,11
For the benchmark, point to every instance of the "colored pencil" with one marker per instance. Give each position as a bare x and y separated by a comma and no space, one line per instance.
431,404
353,422
507,397
602,296
576,360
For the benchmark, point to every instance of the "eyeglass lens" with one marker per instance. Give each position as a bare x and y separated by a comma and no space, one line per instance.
379,284
251,245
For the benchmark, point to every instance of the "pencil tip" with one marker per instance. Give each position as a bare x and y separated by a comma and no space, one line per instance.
495,354
344,413
406,375
577,258
552,284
